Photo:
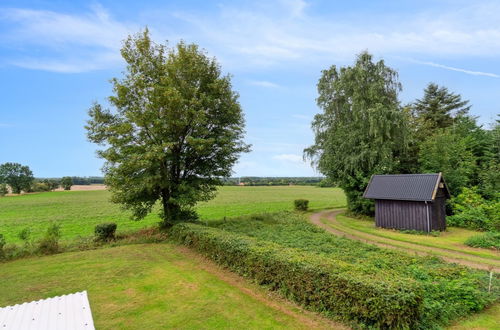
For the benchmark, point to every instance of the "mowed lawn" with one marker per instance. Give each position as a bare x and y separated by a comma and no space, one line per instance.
152,286
79,211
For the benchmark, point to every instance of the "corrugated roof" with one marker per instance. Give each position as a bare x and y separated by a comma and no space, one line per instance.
70,311
413,187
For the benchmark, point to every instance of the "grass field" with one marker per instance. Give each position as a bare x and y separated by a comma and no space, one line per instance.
79,211
154,286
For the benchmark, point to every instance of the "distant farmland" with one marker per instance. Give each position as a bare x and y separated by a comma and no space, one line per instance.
79,211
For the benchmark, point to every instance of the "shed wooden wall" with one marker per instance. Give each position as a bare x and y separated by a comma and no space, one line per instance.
402,214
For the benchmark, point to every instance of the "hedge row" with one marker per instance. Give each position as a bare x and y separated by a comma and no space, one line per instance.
319,283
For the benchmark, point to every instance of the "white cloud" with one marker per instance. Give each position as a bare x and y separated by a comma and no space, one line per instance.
258,35
252,37
263,83
474,73
72,43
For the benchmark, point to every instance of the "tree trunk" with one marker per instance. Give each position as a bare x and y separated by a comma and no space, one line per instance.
171,210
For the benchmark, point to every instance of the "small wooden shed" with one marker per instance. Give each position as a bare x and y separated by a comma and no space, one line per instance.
409,201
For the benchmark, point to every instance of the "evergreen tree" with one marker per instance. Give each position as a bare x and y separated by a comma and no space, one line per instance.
438,108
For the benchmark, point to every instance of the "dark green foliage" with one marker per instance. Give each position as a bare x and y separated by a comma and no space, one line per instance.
25,234
49,243
301,204
44,185
361,130
317,282
17,176
3,189
326,183
448,153
441,291
438,108
472,211
105,231
489,240
176,129
66,182
51,184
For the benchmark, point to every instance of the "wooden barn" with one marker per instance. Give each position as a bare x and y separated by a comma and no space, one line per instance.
409,201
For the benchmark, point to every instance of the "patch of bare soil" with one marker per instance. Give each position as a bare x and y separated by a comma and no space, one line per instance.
305,319
331,217
85,187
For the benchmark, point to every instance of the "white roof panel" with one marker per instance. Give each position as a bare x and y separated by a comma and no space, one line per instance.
66,312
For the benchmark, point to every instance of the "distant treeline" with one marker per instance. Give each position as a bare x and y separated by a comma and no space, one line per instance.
79,180
275,181
244,180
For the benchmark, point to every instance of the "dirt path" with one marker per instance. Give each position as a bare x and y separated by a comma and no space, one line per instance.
331,218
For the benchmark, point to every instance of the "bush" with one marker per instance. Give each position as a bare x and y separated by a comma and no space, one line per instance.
3,190
25,234
449,290
105,231
301,204
489,240
49,243
319,283
472,211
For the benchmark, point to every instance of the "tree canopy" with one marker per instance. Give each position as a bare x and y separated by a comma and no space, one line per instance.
361,129
66,182
175,130
438,107
17,176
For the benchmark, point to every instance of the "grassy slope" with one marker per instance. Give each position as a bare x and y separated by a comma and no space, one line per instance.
147,287
452,240
79,211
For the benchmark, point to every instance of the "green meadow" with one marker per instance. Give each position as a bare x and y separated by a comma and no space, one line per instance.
78,212
152,286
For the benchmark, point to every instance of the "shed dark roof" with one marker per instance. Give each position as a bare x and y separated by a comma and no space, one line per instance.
410,187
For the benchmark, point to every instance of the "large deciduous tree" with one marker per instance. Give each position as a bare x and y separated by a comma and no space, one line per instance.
362,128
17,176
176,128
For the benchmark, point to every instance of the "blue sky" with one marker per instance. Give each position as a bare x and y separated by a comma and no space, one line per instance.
56,58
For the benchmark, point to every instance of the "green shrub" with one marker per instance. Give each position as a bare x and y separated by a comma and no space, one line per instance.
472,218
301,204
486,240
49,243
3,190
449,291
105,231
25,234
320,283
472,211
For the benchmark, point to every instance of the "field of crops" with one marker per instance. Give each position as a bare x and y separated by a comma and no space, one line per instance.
79,211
